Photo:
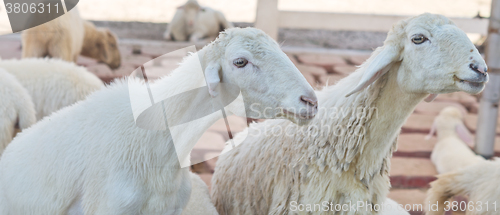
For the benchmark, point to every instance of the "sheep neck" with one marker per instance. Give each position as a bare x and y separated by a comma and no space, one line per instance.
185,78
443,133
90,39
393,107
361,130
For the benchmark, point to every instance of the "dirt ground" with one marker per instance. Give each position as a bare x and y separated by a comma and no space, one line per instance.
244,10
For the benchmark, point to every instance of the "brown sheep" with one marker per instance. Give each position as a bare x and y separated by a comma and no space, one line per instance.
69,36
101,44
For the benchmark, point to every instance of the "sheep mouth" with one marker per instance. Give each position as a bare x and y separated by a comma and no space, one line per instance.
471,83
305,116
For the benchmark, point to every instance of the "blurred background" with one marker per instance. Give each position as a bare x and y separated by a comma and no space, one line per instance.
243,13
159,11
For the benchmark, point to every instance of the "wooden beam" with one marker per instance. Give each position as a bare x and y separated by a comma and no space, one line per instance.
267,17
362,22
488,106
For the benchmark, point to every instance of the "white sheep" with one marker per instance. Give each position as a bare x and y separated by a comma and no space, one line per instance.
343,156
478,181
199,202
462,171
69,36
52,83
452,151
93,157
193,22
16,108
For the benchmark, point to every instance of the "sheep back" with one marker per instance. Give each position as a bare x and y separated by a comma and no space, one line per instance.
16,108
199,202
52,83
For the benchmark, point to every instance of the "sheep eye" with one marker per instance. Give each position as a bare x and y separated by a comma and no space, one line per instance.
419,39
240,62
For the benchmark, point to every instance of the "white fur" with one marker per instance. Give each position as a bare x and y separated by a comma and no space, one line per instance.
462,172
92,154
52,83
344,154
16,107
478,181
451,152
199,202
193,22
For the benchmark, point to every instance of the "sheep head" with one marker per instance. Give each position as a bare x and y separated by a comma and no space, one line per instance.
102,45
434,57
270,84
112,57
450,122
191,10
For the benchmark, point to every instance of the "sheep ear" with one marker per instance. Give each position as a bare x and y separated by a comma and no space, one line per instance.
212,77
464,134
377,67
430,98
102,52
432,132
108,33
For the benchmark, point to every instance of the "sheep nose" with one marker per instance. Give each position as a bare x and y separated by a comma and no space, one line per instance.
309,101
479,69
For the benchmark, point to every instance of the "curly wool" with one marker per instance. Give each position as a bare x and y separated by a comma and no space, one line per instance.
345,159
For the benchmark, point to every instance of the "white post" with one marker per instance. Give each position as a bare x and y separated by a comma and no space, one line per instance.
488,110
267,16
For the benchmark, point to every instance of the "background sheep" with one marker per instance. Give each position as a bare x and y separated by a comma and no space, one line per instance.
452,151
194,22
343,156
109,165
52,83
199,202
478,181
69,36
59,38
467,173
101,44
16,108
